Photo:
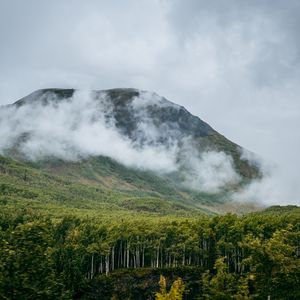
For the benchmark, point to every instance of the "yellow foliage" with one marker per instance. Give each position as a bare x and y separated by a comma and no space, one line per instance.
175,293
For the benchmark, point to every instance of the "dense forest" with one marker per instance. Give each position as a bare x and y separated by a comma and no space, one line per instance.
221,257
66,237
111,191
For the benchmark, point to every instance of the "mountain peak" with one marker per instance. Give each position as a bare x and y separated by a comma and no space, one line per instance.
137,128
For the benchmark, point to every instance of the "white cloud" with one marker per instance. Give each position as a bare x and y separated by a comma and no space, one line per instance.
74,129
84,126
236,65
210,172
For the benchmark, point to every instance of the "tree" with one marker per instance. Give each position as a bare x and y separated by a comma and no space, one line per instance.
175,293
274,264
26,264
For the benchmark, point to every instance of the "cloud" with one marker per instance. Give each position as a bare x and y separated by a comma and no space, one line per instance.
279,184
75,129
233,63
84,125
208,171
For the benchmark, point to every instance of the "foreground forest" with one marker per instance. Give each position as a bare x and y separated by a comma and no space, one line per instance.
70,233
222,257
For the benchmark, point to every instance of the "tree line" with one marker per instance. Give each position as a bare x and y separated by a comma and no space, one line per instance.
249,257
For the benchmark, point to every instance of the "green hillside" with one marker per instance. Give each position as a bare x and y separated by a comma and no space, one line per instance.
86,189
77,223
46,255
141,121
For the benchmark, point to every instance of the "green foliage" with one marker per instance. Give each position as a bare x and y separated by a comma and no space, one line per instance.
68,237
91,188
275,263
248,257
224,285
94,229
27,269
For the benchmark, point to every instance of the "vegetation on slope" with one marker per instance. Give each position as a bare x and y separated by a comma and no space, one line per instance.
95,229
68,237
26,186
224,257
170,121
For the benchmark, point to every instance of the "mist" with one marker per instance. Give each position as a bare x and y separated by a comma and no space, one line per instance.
207,171
233,63
84,126
278,185
73,130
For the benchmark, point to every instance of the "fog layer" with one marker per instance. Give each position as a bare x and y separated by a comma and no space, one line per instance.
84,125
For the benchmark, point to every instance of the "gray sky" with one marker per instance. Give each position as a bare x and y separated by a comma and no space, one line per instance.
234,63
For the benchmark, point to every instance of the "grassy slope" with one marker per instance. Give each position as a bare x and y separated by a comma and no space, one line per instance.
83,191
106,172
280,210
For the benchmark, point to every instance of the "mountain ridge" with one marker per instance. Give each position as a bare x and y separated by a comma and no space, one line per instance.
147,122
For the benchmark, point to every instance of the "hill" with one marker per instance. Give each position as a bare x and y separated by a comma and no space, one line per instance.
149,153
103,192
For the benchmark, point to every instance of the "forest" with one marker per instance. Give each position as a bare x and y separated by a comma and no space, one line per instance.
254,256
149,150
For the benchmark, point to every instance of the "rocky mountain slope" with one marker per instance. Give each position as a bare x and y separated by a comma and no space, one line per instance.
128,141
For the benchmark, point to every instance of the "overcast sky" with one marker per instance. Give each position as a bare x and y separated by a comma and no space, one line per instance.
234,63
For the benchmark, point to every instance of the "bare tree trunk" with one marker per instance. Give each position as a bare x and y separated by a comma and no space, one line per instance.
143,256
107,264
128,262
135,258
113,258
138,257
124,261
101,266
92,266
157,257
120,263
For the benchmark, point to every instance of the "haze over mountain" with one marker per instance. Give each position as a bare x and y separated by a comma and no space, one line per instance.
156,154
57,128
236,66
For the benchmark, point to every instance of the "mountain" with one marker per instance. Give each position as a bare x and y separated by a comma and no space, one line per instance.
125,149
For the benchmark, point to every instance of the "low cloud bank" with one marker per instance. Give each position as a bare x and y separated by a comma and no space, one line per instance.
75,129
278,186
83,126
207,171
